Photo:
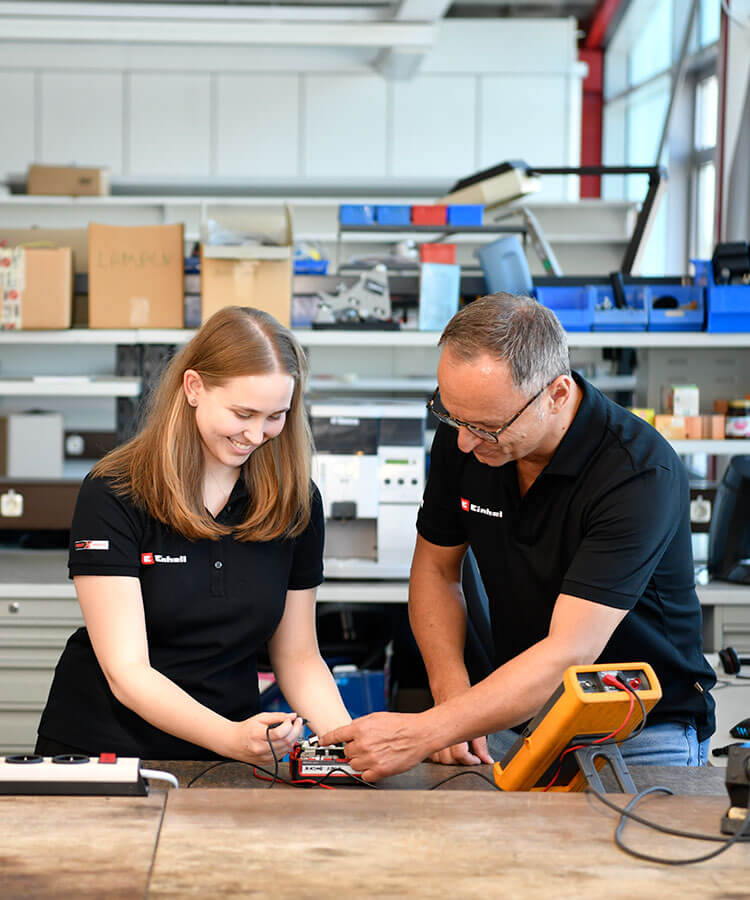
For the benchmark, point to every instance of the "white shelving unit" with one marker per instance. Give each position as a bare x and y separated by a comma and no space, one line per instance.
71,386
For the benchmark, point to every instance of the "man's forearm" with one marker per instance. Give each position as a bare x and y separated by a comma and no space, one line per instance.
437,614
510,695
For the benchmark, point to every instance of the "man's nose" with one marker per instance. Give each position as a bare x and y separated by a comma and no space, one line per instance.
466,440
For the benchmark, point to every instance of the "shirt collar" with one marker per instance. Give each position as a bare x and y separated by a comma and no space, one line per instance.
585,432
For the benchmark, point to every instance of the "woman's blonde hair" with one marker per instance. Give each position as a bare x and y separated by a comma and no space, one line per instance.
161,468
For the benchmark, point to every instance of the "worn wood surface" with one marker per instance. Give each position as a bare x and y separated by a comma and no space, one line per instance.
457,844
682,780
77,847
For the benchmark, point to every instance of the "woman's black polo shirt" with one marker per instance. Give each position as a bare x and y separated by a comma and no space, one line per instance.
209,606
606,520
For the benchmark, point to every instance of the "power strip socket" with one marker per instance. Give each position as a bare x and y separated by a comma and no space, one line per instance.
61,775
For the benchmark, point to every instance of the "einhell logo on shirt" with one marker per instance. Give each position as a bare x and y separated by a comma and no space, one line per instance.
149,559
468,506
91,545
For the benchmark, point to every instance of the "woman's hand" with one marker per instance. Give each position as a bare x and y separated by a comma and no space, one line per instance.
251,744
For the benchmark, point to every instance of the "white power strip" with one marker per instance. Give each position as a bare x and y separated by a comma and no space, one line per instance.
89,776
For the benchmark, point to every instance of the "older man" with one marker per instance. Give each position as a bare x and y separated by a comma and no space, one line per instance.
578,515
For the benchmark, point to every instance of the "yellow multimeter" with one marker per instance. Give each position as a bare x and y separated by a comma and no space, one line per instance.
586,707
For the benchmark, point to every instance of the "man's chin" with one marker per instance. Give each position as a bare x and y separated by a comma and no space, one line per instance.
491,459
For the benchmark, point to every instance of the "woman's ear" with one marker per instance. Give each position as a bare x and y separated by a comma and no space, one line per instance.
192,384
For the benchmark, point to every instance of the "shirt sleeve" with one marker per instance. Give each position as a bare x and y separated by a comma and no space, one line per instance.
439,519
629,530
307,560
105,533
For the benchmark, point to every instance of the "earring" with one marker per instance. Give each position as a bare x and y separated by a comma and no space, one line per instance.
192,401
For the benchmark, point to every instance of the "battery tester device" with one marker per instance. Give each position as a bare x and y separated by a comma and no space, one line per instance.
577,731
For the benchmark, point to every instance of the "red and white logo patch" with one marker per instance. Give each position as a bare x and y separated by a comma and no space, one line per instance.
91,545
147,559
468,506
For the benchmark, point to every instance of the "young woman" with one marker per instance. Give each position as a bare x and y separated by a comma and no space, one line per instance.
193,545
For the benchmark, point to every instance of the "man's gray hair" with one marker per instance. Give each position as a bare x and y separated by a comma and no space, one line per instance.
513,328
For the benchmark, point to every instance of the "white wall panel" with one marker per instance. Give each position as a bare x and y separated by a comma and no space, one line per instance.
257,125
170,125
16,122
81,119
503,45
345,125
525,117
434,126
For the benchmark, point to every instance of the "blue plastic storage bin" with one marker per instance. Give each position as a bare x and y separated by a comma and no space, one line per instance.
310,266
356,214
362,690
573,305
727,305
393,215
465,214
632,317
688,316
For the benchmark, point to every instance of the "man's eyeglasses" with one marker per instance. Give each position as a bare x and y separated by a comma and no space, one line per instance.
435,406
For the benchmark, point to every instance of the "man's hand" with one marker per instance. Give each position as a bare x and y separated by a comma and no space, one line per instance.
471,753
382,743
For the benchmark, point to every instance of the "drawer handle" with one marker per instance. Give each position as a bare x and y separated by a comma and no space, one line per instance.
14,607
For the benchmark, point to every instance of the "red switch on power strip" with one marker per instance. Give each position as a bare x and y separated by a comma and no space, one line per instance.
109,758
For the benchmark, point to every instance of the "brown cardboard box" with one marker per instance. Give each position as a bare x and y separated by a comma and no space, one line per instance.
67,181
713,427
693,427
75,238
136,276
249,274
36,288
673,428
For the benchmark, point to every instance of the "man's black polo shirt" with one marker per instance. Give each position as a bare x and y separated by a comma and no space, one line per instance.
606,520
209,606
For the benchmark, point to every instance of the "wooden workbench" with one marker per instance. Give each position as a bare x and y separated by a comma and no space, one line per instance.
465,840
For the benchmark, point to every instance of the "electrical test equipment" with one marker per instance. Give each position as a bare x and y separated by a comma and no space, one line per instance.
576,732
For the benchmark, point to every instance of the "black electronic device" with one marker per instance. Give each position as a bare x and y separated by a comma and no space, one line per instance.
731,661
741,729
731,263
738,788
729,534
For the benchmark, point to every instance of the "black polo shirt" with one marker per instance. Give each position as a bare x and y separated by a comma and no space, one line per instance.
209,606
606,520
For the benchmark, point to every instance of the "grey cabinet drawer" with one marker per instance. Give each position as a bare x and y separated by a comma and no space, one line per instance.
18,725
26,682
14,609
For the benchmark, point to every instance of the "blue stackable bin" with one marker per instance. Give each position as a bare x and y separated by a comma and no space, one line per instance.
356,214
727,305
689,315
392,214
465,214
305,266
573,305
632,317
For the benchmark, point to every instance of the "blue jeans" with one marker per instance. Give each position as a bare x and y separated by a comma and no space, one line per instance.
665,744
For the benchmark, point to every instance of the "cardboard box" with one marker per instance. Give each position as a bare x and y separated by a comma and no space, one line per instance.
645,413
36,288
31,445
673,428
71,181
694,427
75,238
713,427
136,276
681,400
246,273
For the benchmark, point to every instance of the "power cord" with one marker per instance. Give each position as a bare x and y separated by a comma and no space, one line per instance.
626,813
